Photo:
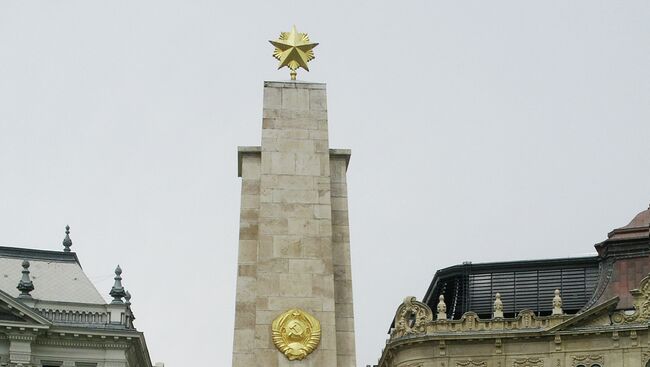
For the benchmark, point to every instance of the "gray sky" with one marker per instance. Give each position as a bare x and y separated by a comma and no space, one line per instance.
480,130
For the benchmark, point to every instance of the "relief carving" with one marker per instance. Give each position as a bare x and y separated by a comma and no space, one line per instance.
411,318
471,363
587,360
528,362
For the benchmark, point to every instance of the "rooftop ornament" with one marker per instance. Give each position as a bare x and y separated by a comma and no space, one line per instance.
557,304
498,307
127,297
25,285
67,242
442,308
117,291
294,51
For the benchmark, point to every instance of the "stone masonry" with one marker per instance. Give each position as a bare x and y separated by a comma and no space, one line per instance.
294,248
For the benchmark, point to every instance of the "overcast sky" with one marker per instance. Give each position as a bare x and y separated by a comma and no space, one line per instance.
480,130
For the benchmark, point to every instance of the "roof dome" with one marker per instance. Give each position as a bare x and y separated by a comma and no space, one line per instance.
639,227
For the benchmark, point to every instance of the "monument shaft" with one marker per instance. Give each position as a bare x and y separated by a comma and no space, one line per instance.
294,249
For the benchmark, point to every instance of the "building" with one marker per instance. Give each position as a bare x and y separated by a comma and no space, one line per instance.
576,312
52,315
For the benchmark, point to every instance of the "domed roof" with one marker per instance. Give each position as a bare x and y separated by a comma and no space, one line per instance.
639,227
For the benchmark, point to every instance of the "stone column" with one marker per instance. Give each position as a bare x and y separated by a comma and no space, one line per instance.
294,236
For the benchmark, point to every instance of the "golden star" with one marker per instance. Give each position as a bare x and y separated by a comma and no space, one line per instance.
293,50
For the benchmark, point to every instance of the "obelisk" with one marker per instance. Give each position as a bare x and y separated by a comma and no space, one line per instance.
294,287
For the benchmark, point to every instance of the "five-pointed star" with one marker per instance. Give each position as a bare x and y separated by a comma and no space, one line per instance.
293,50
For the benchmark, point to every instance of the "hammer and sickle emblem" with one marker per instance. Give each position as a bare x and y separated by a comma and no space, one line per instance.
296,333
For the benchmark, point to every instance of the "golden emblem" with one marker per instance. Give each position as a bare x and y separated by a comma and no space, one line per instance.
296,333
294,51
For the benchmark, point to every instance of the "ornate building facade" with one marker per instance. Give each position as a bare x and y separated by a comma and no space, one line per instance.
52,315
580,312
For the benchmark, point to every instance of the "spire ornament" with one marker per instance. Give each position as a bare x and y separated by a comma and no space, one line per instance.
67,242
25,285
127,298
293,50
117,292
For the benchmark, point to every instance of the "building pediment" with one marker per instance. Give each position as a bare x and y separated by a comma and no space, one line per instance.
14,313
592,317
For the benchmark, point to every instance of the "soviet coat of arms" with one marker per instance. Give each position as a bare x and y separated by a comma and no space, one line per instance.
296,333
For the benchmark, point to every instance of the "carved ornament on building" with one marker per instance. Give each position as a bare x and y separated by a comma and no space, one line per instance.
471,363
641,305
528,362
411,318
587,360
296,333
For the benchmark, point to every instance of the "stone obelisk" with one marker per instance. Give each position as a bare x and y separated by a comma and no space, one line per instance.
294,249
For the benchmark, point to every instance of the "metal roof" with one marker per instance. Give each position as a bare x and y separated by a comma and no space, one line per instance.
57,276
525,284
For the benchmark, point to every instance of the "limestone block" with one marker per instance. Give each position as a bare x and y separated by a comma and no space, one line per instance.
303,226
287,246
345,343
247,251
285,303
296,196
294,99
323,286
283,163
308,164
317,100
272,98
251,167
242,339
307,266
246,289
274,226
250,201
244,315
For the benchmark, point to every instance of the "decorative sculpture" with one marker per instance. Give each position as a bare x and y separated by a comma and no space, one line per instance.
67,242
25,285
117,291
411,318
442,308
557,304
296,333
498,307
294,51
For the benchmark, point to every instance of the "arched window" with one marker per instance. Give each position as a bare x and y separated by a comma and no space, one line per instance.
647,364
580,365
595,365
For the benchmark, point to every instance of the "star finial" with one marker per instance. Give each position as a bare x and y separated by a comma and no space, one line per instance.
293,50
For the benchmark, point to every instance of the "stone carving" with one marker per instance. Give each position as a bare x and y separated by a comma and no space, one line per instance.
526,318
587,360
557,304
498,307
411,318
471,363
528,362
296,333
442,308
641,305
